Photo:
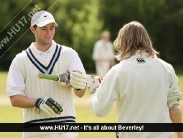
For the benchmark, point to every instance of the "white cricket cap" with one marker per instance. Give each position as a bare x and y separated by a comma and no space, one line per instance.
42,18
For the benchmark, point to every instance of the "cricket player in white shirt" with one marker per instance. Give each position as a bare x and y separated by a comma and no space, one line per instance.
45,101
103,54
144,87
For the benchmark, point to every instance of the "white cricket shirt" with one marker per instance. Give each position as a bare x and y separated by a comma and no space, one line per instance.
103,51
143,88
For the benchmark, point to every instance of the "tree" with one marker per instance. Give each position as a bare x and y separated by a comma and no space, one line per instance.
78,28
162,20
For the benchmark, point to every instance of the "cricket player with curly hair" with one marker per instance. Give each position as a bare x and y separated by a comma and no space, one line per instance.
45,101
144,87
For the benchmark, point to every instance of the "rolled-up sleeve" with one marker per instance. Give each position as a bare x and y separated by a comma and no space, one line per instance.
174,94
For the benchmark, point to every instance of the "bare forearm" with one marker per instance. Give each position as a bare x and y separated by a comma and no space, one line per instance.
22,101
175,114
176,117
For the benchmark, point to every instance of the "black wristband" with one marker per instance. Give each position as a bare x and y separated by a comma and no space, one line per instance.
37,103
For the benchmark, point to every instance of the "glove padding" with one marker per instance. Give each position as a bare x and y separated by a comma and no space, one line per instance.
93,83
64,79
48,106
78,80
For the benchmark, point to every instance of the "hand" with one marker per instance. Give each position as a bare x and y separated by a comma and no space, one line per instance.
48,106
93,83
64,79
78,80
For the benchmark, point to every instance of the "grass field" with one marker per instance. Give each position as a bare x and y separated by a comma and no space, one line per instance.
84,114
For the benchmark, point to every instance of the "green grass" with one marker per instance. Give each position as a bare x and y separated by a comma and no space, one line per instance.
83,111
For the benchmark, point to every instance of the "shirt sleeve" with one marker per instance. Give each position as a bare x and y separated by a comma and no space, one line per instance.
15,81
76,63
102,101
174,95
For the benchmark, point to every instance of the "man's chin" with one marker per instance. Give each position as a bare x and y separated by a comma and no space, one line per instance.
47,42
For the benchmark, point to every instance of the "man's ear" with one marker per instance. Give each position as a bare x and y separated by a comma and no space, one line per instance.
32,29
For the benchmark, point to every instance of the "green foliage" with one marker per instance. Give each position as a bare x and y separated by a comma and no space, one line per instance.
3,78
162,20
82,21
86,32
80,27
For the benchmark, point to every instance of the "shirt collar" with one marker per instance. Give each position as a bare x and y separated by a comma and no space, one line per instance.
32,46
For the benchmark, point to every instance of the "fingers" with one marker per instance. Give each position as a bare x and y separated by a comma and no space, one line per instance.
78,75
93,84
78,85
78,80
54,105
64,78
50,107
46,109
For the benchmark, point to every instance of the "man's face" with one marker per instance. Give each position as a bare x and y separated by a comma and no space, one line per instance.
44,35
106,38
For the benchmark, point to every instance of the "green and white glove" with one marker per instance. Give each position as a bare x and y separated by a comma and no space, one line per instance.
78,80
48,106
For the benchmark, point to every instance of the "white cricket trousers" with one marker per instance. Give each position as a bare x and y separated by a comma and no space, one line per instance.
61,135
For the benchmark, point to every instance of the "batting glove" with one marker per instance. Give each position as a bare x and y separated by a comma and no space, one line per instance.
78,80
48,106
64,79
93,84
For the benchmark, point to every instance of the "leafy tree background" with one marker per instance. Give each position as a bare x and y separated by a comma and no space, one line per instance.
82,21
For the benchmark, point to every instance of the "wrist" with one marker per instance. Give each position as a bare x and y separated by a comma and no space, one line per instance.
77,90
37,103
